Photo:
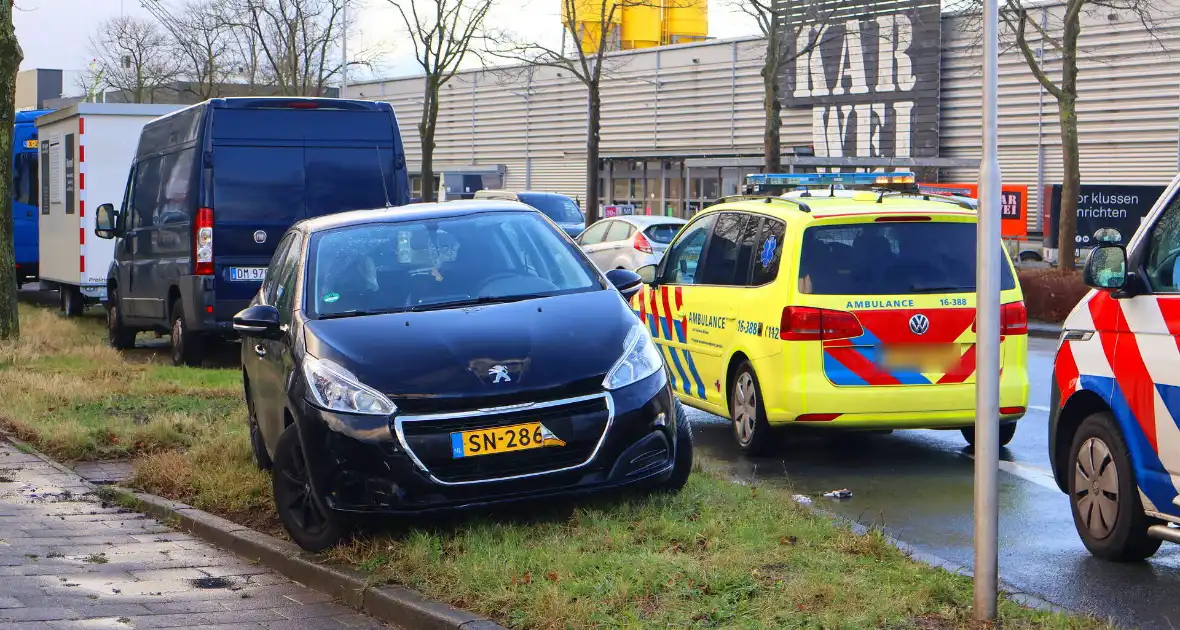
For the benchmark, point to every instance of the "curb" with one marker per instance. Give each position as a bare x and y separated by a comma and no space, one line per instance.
395,605
392,604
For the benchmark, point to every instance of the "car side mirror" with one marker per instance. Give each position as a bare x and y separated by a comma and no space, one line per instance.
258,321
1106,268
647,274
106,221
626,282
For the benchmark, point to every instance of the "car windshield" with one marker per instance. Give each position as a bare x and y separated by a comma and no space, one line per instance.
891,258
663,233
557,207
440,263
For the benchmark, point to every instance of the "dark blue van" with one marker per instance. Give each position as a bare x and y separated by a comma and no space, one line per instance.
26,194
212,189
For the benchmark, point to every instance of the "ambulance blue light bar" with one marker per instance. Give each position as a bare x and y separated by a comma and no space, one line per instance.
831,179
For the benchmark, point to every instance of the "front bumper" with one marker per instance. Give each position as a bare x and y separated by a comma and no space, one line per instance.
394,465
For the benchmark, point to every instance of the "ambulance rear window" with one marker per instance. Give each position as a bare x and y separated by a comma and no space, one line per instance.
891,258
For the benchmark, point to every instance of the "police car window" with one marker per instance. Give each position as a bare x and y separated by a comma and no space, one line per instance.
594,234
768,251
722,265
894,258
681,262
1163,252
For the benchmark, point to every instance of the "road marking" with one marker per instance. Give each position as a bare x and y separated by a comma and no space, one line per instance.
1041,476
1038,408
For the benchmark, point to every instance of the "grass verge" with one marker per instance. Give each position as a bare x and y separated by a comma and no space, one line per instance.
719,554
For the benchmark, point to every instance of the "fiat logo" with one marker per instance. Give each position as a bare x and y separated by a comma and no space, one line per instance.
260,237
919,324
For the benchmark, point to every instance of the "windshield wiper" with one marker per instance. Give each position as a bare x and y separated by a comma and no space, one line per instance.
362,312
918,288
487,299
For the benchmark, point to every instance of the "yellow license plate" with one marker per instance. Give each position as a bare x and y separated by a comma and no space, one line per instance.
517,437
32,144
929,357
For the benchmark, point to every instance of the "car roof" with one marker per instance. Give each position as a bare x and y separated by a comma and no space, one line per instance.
412,212
644,220
845,204
538,193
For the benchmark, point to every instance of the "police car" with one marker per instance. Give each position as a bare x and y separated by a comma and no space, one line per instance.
831,307
1114,443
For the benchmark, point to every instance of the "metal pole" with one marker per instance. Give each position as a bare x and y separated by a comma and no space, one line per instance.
344,49
987,341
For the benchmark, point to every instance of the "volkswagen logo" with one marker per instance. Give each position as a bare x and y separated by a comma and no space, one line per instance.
260,237
919,324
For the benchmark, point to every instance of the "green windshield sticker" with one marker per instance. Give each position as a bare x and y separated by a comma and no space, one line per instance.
331,297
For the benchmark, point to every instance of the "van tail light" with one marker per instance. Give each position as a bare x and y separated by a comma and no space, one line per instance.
641,243
203,242
1013,319
803,323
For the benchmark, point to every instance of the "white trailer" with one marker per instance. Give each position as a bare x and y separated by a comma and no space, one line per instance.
86,153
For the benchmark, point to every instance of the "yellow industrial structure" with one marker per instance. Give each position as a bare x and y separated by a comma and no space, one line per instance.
632,24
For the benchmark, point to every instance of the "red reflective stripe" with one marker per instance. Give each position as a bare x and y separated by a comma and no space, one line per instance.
655,311
683,315
81,181
861,366
1129,370
81,126
81,207
963,370
81,236
642,307
81,153
668,314
1065,369
81,264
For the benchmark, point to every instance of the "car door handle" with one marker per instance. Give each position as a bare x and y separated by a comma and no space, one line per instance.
617,247
259,350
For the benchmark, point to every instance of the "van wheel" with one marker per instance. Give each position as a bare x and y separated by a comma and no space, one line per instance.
118,336
310,524
750,427
1007,432
71,301
682,463
1103,494
187,348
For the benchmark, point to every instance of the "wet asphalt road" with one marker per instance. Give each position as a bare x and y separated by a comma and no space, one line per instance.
918,486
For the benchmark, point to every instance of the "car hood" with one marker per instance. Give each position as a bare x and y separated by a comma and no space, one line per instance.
492,350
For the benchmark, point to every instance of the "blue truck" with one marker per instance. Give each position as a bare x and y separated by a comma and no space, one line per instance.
26,194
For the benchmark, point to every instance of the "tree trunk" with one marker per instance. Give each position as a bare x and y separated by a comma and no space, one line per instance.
772,137
1067,222
593,129
10,58
426,130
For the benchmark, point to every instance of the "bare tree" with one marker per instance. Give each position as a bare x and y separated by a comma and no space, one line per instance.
1063,40
442,33
134,57
784,24
202,42
588,61
295,41
10,58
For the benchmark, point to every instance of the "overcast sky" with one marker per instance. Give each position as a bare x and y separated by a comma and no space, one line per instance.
55,33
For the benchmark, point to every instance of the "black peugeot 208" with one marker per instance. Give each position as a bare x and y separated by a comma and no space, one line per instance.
444,356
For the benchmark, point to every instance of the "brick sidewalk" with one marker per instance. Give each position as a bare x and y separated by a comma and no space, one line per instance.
67,561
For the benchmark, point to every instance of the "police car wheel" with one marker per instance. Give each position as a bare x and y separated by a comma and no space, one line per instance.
1104,496
310,524
750,427
1007,432
682,463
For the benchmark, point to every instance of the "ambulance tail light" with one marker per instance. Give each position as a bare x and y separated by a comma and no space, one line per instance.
641,243
1013,319
803,323
203,242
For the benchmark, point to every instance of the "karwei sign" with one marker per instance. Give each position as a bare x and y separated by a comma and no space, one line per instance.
871,78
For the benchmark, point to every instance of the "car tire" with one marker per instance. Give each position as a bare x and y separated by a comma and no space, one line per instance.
119,336
1007,432
187,347
72,303
1111,527
683,457
750,428
261,458
310,524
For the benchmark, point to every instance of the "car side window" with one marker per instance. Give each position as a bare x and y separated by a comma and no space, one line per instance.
619,230
682,261
721,259
272,275
596,232
288,273
1163,251
768,251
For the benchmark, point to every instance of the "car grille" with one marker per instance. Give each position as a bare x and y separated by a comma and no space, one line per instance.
580,423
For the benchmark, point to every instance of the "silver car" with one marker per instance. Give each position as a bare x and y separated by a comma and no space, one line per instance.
629,242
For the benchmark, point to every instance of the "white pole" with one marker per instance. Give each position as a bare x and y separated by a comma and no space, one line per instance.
344,49
987,341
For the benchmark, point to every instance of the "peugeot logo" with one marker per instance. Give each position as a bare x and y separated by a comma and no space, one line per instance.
260,237
500,373
919,324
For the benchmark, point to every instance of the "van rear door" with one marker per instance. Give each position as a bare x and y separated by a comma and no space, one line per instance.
277,161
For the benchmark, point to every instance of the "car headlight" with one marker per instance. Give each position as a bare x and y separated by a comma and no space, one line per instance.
640,360
336,389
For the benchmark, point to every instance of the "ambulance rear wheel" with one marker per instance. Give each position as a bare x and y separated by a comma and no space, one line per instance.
1007,432
750,428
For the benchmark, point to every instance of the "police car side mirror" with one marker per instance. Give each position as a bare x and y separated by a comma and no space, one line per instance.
1106,269
647,274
